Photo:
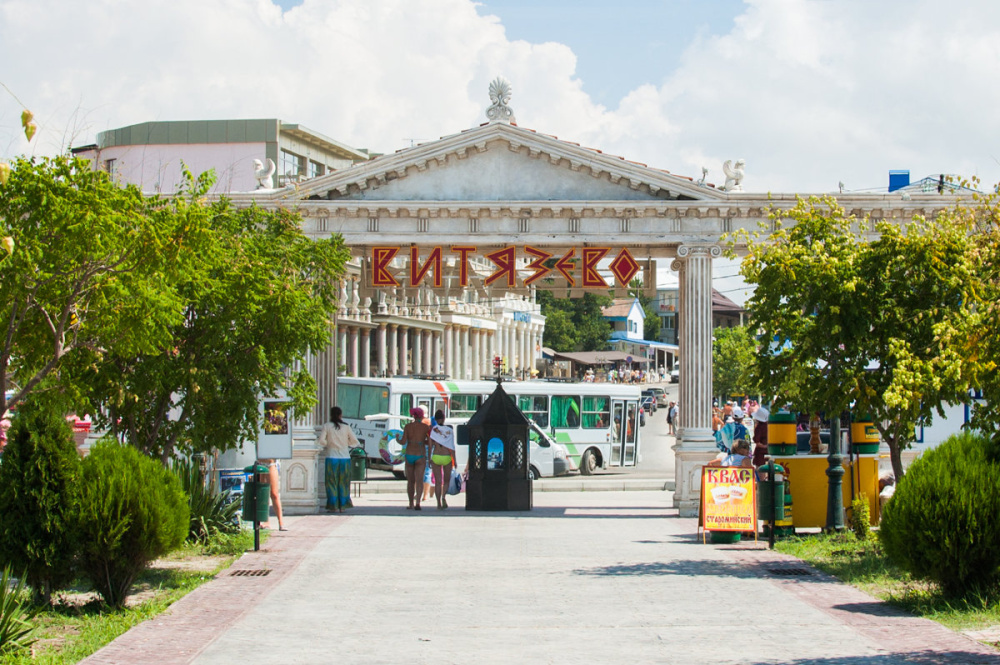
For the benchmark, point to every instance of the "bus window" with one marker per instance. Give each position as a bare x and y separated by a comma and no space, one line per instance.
565,411
595,412
349,399
374,399
405,404
463,406
536,408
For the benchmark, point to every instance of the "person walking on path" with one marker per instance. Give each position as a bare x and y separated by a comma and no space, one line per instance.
274,477
337,439
415,437
672,418
442,457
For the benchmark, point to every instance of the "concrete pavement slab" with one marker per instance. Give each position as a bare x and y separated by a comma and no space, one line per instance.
588,577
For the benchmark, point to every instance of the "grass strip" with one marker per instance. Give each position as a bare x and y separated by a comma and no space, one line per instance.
69,632
862,564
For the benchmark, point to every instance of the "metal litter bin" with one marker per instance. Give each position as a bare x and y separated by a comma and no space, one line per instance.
256,494
359,465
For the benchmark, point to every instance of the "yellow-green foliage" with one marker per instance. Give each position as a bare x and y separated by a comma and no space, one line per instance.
861,518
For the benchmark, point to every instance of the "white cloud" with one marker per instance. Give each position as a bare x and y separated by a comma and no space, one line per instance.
809,93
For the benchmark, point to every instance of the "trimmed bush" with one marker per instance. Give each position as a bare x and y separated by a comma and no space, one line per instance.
941,523
39,486
861,517
132,510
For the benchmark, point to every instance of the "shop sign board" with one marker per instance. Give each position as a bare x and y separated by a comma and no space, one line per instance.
274,440
728,498
577,269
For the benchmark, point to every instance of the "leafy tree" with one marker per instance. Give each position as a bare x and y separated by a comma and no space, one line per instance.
266,297
39,489
580,326
733,351
848,321
92,271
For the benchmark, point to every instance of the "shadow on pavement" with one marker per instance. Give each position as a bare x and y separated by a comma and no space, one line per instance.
546,512
917,657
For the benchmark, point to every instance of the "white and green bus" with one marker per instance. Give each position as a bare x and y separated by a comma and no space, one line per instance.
598,423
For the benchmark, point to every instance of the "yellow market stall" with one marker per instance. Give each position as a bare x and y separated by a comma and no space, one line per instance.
808,485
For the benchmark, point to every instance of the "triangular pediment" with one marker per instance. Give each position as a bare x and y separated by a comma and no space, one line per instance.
500,162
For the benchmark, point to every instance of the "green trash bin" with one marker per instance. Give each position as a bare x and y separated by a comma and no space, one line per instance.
359,464
256,495
771,497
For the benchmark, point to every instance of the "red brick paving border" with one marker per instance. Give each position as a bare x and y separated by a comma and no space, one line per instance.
187,627
893,630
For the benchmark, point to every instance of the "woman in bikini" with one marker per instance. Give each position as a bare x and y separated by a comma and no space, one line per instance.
442,450
415,439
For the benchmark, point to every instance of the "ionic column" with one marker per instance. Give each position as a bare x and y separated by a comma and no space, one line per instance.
418,350
449,365
404,350
436,356
428,351
352,351
464,350
341,348
474,353
365,355
695,440
380,361
393,345
484,353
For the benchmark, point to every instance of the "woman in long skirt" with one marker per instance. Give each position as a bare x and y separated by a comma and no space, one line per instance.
337,439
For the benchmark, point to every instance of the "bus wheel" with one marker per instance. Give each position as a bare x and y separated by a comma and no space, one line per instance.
588,463
399,475
533,473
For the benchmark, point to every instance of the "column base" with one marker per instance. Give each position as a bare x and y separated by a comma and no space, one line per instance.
301,477
695,447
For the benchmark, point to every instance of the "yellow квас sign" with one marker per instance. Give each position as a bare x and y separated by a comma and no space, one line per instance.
728,498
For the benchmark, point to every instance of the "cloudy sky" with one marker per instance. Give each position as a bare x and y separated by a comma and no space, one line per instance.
809,92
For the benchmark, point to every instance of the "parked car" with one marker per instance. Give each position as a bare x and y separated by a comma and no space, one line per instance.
675,376
649,401
661,396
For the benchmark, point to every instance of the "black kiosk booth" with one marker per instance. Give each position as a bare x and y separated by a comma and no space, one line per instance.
498,456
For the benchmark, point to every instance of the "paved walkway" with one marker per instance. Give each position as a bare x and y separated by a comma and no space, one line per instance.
589,577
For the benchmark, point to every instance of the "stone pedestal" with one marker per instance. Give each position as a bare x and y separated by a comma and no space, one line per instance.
302,477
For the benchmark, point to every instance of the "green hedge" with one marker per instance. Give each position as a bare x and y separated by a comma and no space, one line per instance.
39,488
132,510
941,523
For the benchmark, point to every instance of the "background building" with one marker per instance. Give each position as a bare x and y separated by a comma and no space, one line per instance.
153,154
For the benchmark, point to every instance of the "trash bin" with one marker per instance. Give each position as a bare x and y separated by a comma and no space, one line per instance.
256,494
771,496
359,464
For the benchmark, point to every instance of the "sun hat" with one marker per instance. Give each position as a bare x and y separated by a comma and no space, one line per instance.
737,413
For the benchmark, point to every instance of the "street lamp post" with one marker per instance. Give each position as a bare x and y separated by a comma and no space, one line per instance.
835,473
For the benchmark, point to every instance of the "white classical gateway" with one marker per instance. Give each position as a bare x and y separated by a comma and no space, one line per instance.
479,220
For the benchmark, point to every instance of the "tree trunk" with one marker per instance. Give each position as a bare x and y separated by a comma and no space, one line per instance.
896,456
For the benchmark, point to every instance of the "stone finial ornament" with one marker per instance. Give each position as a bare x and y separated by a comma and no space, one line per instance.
500,92
704,175
734,176
265,176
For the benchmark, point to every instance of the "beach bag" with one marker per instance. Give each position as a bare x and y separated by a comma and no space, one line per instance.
455,486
